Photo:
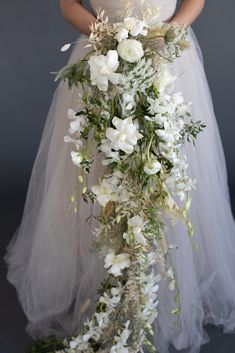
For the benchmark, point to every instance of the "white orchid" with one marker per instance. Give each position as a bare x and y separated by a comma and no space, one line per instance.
116,263
125,136
106,147
165,80
159,105
78,121
152,167
121,33
128,100
169,134
105,192
121,340
102,318
91,332
103,69
136,223
77,141
78,343
130,50
76,158
113,300
132,26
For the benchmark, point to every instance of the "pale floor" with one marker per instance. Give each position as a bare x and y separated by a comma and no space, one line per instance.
13,338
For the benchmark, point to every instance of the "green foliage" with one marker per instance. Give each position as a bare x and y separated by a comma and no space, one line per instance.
192,129
49,345
74,74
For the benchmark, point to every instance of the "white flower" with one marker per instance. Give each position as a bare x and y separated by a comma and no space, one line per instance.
125,136
169,133
102,69
105,192
165,80
116,263
76,158
171,156
113,156
121,340
130,50
153,167
78,123
78,143
136,223
121,33
111,302
130,25
102,318
78,343
128,100
158,106
93,332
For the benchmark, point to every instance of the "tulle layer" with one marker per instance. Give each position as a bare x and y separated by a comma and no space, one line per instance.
50,262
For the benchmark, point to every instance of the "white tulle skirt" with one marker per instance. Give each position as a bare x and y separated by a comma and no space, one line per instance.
49,258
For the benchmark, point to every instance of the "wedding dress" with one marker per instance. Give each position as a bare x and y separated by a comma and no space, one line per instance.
49,258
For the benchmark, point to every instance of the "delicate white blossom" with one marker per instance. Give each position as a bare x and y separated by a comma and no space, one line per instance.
116,263
165,80
125,135
105,192
136,223
152,167
76,158
132,26
78,121
130,50
103,69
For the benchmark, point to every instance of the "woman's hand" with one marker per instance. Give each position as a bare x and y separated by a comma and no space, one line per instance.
189,10
74,12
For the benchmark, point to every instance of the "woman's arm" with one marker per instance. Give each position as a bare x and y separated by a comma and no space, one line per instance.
189,10
77,15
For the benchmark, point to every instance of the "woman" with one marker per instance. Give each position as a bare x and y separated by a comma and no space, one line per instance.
49,259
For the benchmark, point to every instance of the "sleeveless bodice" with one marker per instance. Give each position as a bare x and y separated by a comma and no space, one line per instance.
113,8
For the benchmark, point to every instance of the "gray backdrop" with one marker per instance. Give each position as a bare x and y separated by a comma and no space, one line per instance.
31,33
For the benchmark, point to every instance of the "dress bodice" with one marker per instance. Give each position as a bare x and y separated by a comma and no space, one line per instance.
113,8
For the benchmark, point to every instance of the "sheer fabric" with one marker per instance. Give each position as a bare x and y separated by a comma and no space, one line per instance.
49,258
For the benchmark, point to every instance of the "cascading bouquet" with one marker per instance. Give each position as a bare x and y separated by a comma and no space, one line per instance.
131,116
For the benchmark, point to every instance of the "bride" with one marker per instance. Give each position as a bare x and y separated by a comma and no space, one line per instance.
49,259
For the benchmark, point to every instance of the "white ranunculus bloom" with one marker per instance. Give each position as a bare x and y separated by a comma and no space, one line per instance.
105,192
125,136
130,50
76,158
102,69
153,167
116,263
